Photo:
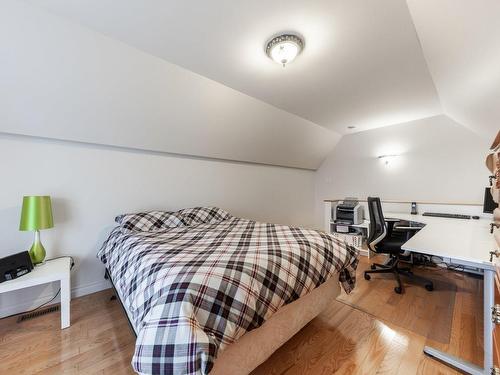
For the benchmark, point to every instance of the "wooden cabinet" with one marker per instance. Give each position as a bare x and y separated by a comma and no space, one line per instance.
496,330
493,165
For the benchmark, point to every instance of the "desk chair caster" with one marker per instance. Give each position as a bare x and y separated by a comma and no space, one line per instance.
397,289
429,286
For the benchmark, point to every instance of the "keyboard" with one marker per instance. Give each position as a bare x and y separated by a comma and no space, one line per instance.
450,216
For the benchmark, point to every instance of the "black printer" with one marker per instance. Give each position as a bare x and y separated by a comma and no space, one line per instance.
13,266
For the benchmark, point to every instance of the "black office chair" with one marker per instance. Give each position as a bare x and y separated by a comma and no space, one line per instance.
386,237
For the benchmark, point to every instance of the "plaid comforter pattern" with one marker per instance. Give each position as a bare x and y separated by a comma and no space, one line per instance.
193,290
148,221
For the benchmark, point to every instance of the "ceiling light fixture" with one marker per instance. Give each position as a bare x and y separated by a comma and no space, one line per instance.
284,48
387,159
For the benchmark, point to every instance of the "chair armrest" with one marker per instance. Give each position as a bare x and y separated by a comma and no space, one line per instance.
390,225
391,219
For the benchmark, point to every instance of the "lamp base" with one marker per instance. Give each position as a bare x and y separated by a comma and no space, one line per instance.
37,251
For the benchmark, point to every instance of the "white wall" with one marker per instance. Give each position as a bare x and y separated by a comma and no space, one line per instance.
440,161
64,81
90,185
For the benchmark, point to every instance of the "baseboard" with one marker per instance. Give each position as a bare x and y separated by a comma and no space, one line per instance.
96,286
77,291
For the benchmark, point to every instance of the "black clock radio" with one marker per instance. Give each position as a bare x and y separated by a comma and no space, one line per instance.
13,266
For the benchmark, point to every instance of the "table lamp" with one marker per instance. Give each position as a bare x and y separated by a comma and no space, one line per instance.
36,214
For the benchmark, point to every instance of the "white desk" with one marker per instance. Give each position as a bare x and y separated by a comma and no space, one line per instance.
467,243
50,271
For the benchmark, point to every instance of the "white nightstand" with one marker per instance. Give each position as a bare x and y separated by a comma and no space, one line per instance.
50,271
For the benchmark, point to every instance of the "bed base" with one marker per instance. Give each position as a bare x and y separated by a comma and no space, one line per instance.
256,346
116,296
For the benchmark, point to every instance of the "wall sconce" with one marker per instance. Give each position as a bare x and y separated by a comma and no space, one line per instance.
387,159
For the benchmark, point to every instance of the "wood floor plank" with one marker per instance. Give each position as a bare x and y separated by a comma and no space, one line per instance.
394,356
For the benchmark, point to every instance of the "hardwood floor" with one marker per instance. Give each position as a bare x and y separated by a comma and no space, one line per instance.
99,341
342,340
345,340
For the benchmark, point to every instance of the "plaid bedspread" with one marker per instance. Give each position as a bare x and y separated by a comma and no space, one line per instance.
191,291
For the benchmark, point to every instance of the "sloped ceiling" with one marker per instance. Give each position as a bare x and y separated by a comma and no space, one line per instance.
63,81
461,43
366,64
362,65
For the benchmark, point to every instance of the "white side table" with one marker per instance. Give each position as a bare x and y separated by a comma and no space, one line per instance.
50,271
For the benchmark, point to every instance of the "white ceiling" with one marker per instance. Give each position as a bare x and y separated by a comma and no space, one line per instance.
461,42
362,65
80,85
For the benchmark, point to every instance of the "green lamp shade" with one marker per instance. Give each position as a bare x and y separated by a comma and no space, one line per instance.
36,213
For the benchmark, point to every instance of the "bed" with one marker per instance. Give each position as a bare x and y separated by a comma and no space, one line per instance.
207,292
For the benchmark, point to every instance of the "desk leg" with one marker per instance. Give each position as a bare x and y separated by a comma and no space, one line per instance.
467,367
65,302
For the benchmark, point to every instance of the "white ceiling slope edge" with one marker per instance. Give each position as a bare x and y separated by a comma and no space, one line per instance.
461,42
60,80
362,64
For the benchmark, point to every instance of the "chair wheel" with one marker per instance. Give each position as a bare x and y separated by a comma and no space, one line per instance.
398,290
429,287
367,277
373,267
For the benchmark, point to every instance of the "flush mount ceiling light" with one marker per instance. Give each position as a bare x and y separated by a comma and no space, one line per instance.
284,48
387,159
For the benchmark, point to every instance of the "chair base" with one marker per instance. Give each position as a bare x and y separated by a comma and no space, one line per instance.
392,267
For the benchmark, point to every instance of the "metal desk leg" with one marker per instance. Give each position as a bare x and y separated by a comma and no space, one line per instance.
488,301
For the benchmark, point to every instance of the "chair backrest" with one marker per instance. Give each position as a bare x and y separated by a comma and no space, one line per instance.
378,227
